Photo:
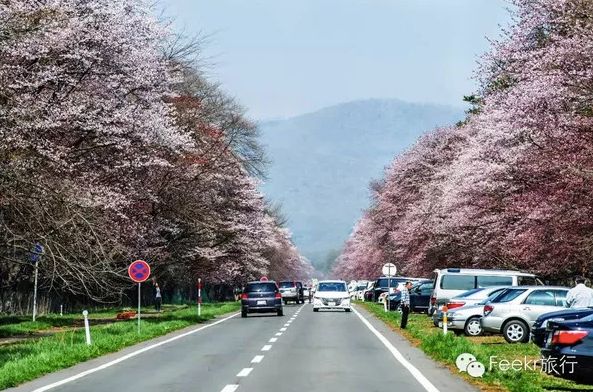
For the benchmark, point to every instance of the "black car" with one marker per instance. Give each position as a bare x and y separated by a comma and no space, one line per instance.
419,297
538,331
568,349
383,284
261,297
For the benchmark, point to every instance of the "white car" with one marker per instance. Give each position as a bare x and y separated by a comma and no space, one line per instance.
331,294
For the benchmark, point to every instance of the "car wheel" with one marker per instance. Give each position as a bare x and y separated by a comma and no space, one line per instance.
473,327
243,313
347,310
316,309
280,312
516,331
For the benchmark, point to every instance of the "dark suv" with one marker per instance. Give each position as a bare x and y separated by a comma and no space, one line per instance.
292,290
261,297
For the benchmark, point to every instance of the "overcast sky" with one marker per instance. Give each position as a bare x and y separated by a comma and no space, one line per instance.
286,57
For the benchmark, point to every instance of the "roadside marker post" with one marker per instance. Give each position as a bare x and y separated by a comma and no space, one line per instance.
139,271
199,297
445,310
87,329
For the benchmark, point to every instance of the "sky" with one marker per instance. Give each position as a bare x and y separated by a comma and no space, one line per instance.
281,58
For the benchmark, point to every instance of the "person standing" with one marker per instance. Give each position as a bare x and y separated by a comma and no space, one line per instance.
579,296
405,304
158,299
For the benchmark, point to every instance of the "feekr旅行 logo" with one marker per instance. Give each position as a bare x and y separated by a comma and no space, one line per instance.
468,363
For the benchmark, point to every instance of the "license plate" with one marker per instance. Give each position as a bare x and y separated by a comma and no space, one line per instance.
440,324
331,303
261,302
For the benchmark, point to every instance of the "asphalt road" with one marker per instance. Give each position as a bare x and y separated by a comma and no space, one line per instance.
302,351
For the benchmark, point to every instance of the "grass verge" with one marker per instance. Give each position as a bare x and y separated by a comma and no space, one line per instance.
29,360
445,349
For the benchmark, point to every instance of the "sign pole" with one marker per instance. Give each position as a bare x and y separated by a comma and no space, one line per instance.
139,297
388,291
199,297
35,292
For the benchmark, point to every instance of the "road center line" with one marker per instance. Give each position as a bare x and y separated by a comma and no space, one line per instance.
267,347
398,356
273,340
283,329
278,333
131,355
287,325
230,388
257,359
245,372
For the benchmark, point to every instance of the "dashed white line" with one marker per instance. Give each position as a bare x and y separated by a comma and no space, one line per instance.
267,347
287,325
230,388
257,359
283,329
245,372
273,340
278,333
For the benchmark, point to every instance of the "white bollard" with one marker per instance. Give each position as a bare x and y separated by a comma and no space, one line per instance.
61,310
87,329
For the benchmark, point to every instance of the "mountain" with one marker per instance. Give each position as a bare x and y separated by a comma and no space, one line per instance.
322,163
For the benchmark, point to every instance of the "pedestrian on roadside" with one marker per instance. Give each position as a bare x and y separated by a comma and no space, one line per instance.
579,296
405,304
158,299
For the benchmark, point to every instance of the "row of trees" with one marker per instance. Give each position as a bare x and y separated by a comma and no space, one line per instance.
114,147
511,186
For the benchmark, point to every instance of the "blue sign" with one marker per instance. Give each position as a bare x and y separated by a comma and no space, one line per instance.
36,253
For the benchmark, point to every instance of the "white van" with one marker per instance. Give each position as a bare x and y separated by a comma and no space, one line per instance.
450,282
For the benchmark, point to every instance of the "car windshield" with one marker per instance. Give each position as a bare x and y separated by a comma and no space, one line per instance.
383,282
286,284
508,295
469,293
261,287
489,298
337,286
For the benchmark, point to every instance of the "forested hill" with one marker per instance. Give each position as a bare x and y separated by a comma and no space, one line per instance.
322,162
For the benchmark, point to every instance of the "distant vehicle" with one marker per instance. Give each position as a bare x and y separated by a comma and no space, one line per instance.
450,282
331,294
261,297
466,319
306,291
538,331
514,311
570,341
292,291
468,298
357,292
419,297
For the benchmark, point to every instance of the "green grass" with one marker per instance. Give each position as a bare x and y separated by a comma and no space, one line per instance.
445,349
31,359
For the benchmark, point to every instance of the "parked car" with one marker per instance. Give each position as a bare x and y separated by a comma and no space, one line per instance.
419,296
331,294
454,281
570,341
261,297
514,311
292,291
467,298
369,292
538,330
383,284
357,293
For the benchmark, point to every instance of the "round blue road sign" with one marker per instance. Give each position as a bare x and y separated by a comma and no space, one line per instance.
139,271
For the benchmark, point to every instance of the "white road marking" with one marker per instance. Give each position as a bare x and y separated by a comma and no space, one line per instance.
283,329
245,372
278,333
287,325
267,347
230,388
273,340
398,356
257,359
131,355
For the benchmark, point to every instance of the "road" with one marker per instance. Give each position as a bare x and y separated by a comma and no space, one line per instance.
302,351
